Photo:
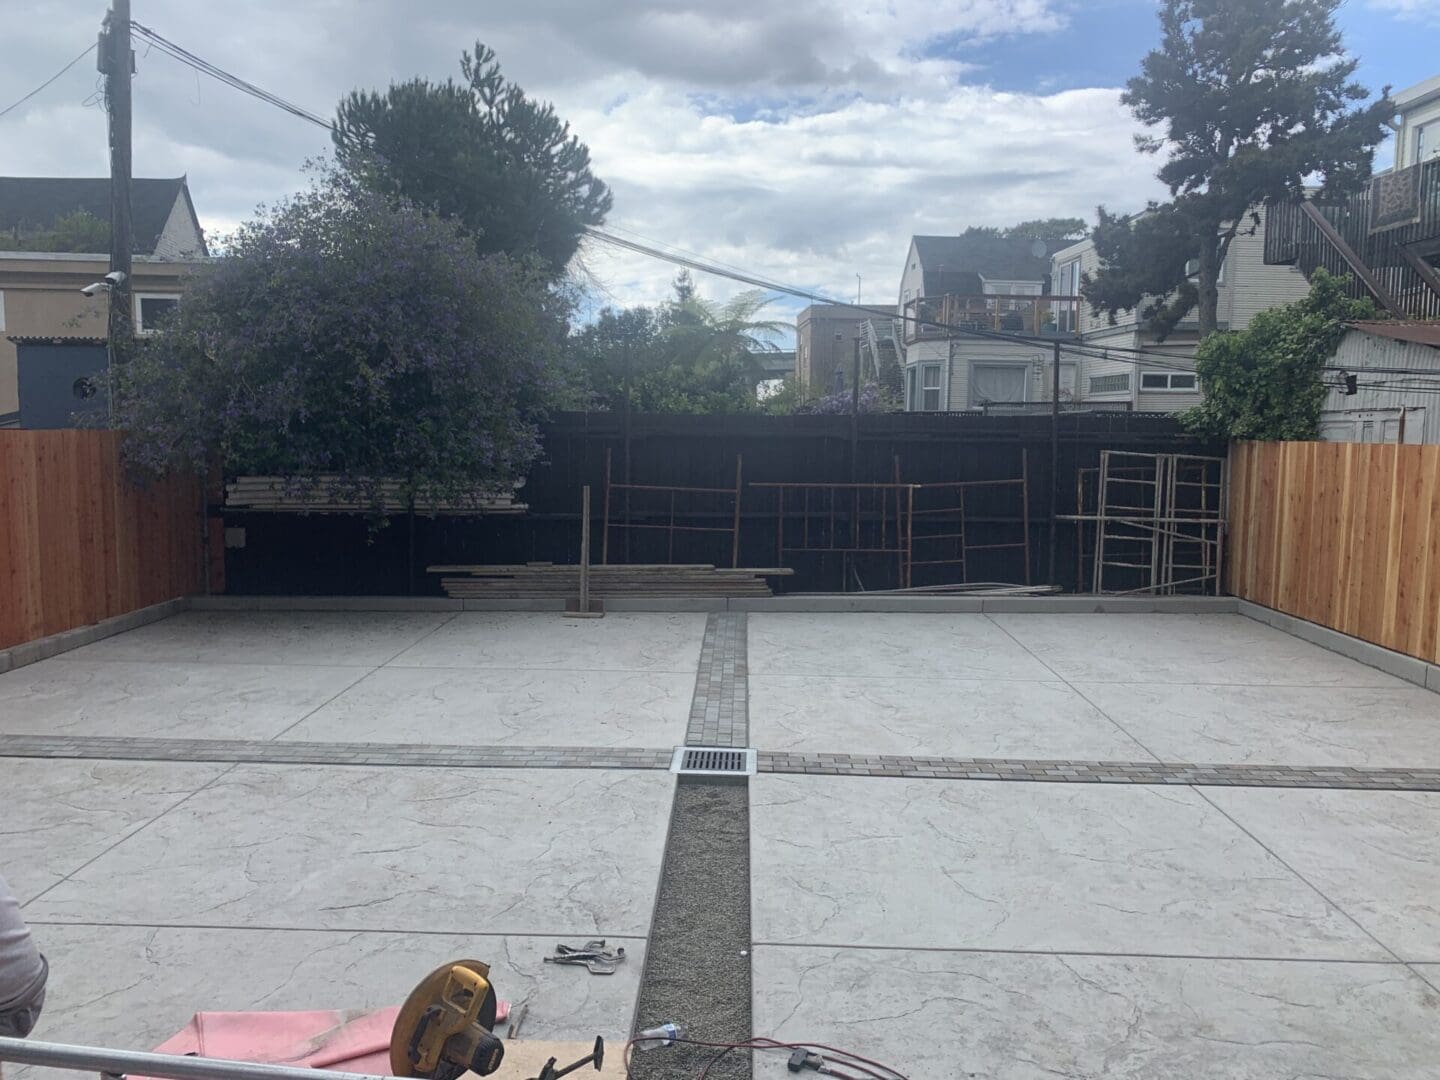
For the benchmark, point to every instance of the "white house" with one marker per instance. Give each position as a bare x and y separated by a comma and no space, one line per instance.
1417,137
1030,288
1386,242
1248,286
991,284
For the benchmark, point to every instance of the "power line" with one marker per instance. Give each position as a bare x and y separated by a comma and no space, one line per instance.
185,56
1155,359
11,108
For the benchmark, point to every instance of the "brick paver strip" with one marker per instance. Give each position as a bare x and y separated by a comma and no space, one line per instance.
309,753
720,711
417,755
1101,772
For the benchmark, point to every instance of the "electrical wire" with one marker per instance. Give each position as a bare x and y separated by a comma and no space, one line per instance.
185,56
866,1068
11,108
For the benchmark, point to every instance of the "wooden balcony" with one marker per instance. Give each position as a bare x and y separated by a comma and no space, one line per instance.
1395,266
938,317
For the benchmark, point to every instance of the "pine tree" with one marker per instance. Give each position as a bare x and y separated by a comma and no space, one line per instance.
1251,97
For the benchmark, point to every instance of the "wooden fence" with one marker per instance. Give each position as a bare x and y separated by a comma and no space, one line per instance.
1342,534
79,542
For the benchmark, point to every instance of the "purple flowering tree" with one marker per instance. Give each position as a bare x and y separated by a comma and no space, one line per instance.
872,400
346,336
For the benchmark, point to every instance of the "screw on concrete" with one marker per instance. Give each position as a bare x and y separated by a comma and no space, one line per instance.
720,711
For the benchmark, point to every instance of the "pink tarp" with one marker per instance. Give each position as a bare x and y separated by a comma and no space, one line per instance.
349,1040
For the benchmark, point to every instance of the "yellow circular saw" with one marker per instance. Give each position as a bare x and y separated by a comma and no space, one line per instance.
445,1026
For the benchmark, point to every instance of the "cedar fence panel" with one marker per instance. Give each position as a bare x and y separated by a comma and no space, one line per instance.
80,542
1342,534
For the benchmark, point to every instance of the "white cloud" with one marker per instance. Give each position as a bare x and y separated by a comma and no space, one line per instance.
805,141
1419,10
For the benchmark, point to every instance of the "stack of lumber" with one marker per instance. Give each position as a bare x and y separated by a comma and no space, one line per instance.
539,580
316,495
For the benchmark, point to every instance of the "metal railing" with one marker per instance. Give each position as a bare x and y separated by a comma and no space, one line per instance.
1395,258
932,317
170,1066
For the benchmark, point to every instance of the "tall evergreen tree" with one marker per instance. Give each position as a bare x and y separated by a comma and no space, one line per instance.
482,151
1251,97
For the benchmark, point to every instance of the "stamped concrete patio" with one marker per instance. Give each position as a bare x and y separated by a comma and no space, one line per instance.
980,845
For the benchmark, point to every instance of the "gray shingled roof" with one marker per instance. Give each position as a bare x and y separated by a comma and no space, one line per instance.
956,263
37,202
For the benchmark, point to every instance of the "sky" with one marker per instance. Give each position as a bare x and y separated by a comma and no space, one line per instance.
803,141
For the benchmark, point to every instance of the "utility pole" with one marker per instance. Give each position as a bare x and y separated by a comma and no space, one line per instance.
1054,456
116,62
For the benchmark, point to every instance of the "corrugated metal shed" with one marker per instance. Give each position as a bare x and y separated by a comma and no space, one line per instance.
1389,406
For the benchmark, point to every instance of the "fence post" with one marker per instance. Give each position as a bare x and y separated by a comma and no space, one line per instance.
582,609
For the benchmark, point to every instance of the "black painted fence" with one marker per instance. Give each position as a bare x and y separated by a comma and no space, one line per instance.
295,554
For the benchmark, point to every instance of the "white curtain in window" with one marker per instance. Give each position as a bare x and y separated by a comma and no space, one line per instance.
997,384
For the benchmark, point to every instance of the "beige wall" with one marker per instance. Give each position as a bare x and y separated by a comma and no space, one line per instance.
43,299
818,351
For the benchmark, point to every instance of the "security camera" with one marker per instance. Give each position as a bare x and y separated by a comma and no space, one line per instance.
95,288
116,278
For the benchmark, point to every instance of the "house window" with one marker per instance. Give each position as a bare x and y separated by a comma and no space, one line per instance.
152,309
1423,135
930,388
1192,269
994,384
910,383
1110,384
2,311
1067,283
1167,380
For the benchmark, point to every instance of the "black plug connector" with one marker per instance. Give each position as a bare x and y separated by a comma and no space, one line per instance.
804,1059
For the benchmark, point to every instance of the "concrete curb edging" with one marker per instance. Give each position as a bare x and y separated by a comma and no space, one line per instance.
1410,668
32,652
818,603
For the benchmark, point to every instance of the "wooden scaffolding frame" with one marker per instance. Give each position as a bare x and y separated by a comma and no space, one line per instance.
1157,518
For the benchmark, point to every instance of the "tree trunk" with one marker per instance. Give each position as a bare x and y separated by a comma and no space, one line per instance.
1207,302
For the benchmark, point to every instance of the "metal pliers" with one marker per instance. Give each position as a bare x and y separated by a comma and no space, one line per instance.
592,955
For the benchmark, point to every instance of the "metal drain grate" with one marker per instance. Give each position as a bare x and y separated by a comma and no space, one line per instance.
712,761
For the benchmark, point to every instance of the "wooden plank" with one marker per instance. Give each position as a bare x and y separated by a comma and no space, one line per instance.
1374,552
108,558
21,608
1427,636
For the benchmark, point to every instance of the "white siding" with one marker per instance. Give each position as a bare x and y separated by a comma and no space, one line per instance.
1089,264
912,278
1118,363
1250,286
1360,351
930,352
1412,118
1177,355
967,354
181,238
